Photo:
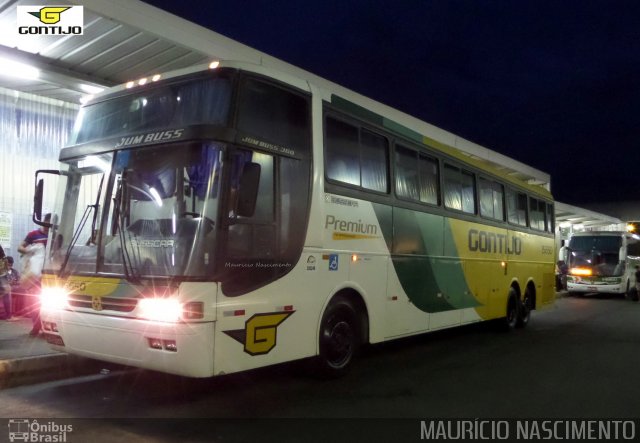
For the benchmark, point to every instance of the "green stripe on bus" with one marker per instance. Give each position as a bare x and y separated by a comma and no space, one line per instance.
432,278
356,110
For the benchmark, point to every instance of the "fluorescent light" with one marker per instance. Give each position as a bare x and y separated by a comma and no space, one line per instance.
90,89
23,71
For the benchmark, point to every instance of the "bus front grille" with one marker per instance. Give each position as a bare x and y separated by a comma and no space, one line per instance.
102,303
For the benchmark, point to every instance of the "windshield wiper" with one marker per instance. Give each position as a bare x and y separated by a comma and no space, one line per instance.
76,235
118,224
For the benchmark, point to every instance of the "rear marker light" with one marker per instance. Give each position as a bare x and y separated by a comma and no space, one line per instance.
193,310
236,313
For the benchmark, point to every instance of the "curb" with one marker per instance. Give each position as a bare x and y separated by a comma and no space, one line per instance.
37,369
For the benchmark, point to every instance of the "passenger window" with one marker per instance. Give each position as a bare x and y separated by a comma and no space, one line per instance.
517,207
491,199
356,156
459,189
275,114
416,176
537,214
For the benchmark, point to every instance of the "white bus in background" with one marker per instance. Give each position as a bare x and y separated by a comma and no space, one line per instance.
602,261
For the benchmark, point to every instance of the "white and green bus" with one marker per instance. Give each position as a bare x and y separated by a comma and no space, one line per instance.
233,217
602,262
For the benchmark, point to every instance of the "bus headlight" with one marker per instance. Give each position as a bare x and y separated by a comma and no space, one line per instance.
53,298
160,309
583,272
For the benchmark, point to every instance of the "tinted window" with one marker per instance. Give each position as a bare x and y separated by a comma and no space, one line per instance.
416,176
356,156
550,227
343,156
517,207
459,189
491,199
275,114
537,210
203,101
373,161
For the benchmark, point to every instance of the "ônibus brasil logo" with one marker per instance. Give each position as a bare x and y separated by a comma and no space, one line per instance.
50,20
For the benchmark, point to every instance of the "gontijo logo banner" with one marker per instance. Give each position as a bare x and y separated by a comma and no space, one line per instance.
50,20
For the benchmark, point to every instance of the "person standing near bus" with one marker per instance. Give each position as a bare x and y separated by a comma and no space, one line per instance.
5,288
32,248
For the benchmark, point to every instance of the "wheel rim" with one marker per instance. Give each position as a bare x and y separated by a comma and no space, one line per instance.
512,313
338,340
526,309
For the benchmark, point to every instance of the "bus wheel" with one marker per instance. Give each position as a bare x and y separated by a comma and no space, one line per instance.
339,339
524,313
511,319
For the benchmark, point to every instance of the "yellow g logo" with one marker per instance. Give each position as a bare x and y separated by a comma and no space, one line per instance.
96,303
260,332
50,15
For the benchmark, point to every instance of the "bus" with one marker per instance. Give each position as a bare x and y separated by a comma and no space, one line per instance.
602,261
231,217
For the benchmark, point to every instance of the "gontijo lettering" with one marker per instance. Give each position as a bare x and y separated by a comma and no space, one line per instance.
492,242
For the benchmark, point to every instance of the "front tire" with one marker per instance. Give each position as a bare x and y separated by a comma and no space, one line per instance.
339,340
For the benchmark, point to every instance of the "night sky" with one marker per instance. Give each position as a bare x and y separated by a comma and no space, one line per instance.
553,84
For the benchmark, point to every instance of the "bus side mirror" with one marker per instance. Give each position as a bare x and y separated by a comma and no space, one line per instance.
37,200
248,192
622,254
38,197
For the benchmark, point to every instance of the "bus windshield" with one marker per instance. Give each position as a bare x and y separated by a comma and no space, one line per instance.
143,212
600,253
189,102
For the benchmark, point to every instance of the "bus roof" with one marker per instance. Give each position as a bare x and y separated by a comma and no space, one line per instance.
378,113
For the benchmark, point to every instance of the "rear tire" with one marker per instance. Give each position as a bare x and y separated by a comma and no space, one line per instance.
525,310
339,340
510,321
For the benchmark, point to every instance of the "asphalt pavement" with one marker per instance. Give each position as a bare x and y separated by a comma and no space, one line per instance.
25,359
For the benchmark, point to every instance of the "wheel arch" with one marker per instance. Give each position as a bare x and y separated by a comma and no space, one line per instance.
531,290
357,301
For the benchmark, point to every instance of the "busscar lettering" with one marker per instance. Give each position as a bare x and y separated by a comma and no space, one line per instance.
153,243
150,137
493,242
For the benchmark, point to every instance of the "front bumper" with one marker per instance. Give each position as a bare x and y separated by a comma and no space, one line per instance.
176,348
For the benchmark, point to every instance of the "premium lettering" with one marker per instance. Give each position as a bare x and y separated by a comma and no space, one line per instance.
350,226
